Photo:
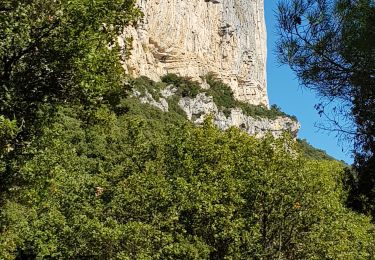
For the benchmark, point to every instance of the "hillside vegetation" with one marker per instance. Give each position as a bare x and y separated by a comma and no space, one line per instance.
221,93
310,152
89,172
141,185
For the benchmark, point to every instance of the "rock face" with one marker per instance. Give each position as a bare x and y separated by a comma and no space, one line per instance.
198,108
195,37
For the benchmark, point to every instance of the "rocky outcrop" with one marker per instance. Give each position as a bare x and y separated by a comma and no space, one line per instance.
198,108
201,106
195,37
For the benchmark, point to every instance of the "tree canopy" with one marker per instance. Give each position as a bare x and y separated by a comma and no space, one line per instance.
58,52
122,187
55,52
331,47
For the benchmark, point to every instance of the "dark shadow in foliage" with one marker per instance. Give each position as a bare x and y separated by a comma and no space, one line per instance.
185,86
224,99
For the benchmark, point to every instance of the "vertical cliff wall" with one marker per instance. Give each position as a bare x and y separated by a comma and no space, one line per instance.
194,37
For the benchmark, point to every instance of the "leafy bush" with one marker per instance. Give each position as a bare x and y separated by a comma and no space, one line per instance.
185,86
159,120
8,130
144,84
133,186
224,99
221,93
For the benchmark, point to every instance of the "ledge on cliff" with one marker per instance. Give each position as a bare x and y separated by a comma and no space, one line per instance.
195,101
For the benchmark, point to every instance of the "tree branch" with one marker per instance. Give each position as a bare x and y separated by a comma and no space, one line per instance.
10,61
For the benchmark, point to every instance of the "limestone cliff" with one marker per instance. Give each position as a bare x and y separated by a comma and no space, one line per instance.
195,37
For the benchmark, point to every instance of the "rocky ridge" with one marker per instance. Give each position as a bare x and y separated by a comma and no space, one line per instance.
202,105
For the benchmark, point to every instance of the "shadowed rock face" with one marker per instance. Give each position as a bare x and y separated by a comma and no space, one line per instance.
195,37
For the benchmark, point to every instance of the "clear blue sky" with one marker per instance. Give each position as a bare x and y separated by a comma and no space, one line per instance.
284,90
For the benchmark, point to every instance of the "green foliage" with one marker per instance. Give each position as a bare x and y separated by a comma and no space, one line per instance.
221,93
55,52
174,106
8,130
224,99
144,84
154,117
330,46
313,153
185,86
182,86
135,186
58,52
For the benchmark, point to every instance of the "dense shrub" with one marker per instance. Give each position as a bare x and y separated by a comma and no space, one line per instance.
144,84
224,99
136,186
221,93
185,86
